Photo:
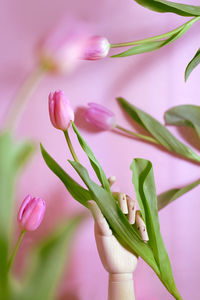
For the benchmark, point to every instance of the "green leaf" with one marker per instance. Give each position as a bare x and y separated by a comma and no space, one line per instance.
94,163
49,263
169,196
146,47
78,192
13,156
155,45
143,180
124,232
158,131
192,64
164,6
184,115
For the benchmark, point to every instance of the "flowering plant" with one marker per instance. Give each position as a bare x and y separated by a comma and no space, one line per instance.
139,232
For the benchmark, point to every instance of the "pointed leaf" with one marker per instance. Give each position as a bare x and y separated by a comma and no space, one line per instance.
155,45
143,180
78,192
94,163
192,64
184,115
169,196
169,6
158,131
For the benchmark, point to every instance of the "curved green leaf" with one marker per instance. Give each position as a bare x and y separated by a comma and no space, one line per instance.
169,196
192,64
143,180
158,131
78,192
164,6
94,163
155,45
184,115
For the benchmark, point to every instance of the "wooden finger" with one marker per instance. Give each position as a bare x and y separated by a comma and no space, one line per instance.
141,226
101,224
123,203
131,209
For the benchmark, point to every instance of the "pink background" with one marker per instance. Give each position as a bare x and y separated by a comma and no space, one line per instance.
154,82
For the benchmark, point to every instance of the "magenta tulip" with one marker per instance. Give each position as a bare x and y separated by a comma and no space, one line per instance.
60,111
31,213
100,116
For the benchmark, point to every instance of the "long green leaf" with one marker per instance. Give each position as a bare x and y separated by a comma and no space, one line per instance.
13,156
78,192
94,163
169,196
184,115
49,262
155,45
164,6
117,221
158,131
143,180
146,47
192,64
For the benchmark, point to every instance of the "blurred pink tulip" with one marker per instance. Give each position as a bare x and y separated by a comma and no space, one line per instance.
97,47
61,49
60,111
100,116
68,42
31,213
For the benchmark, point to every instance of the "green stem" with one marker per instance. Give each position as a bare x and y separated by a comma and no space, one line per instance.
10,262
157,37
71,148
140,136
25,92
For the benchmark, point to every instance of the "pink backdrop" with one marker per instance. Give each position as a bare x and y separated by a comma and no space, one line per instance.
152,81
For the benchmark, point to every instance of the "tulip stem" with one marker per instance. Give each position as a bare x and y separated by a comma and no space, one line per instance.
71,148
10,262
157,37
137,135
25,92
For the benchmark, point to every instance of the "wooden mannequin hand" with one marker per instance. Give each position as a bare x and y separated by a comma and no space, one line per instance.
117,260
114,257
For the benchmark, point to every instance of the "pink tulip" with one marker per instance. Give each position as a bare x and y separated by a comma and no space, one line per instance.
61,49
31,213
60,111
100,116
96,47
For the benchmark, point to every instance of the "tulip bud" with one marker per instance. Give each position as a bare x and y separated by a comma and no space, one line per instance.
60,111
100,116
31,213
97,47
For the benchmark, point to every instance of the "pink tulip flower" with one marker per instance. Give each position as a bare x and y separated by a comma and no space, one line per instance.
61,49
60,111
31,213
96,47
100,116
